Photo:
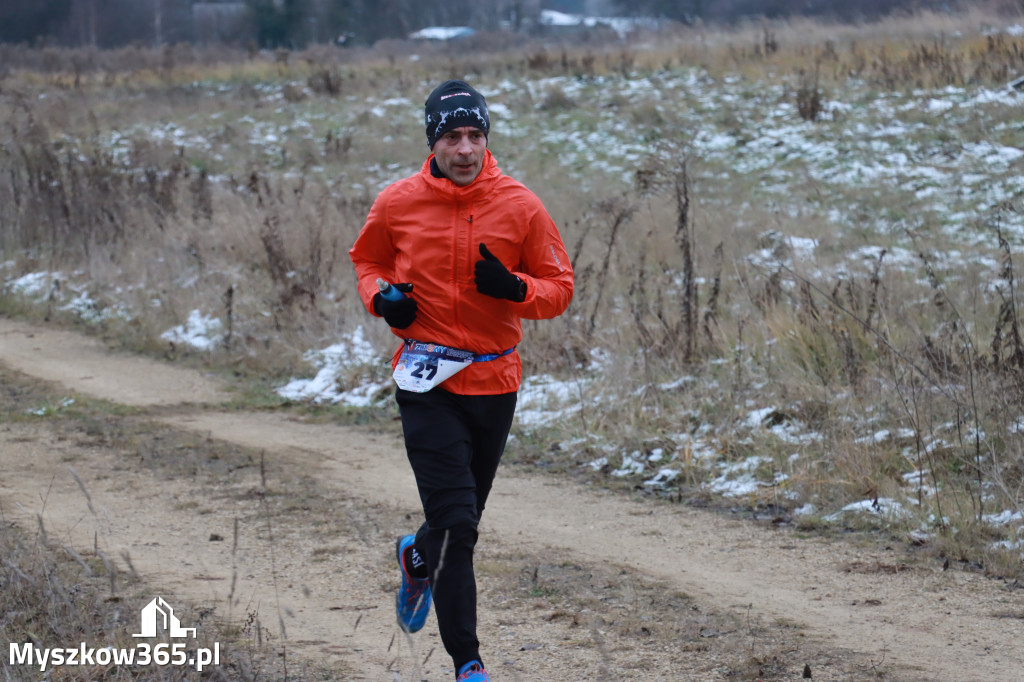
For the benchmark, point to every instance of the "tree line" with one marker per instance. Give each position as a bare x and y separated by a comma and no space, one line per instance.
296,23
728,11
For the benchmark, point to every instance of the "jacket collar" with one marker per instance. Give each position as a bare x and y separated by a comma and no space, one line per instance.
446,189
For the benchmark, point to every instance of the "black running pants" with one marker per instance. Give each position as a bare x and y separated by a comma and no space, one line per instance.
454,444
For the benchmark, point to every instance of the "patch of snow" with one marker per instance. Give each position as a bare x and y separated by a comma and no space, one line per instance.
352,352
542,398
47,410
1004,518
35,283
884,508
662,478
755,418
738,478
631,466
442,33
200,331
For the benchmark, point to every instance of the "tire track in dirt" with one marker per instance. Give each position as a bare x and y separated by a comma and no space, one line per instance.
919,624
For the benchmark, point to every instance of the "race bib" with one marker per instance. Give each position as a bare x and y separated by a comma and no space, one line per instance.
422,366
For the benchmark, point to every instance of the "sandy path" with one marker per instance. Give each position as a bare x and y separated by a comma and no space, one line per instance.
924,624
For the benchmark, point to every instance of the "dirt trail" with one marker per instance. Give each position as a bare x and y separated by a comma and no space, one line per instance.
921,623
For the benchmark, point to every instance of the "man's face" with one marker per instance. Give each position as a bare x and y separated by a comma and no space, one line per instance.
460,154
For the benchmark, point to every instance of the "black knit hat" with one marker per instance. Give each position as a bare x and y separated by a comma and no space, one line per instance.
454,104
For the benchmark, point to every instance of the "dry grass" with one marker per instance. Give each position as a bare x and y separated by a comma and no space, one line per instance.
256,234
54,595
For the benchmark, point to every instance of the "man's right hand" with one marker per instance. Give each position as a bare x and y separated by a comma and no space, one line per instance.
398,314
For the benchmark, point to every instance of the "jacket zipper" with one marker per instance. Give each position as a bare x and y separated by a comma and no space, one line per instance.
457,272
456,269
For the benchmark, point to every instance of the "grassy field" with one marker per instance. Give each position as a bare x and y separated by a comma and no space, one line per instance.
795,246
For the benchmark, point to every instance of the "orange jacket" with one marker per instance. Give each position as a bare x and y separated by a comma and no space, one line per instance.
427,231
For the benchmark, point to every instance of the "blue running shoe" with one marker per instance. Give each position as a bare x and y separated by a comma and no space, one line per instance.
413,601
473,672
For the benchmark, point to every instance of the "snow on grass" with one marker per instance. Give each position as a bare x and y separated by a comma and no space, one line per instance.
199,331
332,363
35,285
662,478
51,409
73,297
868,139
883,508
738,478
86,308
785,250
545,400
782,426
632,465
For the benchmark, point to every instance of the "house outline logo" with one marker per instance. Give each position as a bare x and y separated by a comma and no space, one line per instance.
159,611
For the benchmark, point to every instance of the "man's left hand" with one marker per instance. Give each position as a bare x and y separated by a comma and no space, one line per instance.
493,278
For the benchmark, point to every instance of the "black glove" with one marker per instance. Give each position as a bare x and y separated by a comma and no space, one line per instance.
494,279
398,314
